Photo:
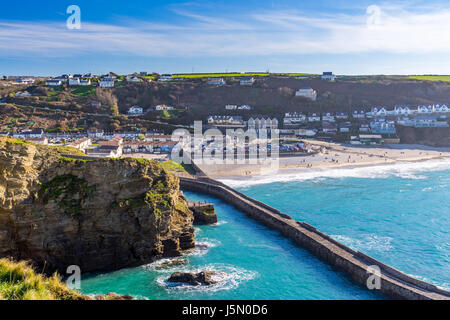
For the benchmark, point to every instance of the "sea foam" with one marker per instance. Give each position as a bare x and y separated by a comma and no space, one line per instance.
405,170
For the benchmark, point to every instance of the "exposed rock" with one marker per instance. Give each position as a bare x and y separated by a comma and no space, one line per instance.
112,296
204,213
171,263
100,215
193,279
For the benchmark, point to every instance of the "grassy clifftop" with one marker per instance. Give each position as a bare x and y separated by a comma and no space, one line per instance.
19,281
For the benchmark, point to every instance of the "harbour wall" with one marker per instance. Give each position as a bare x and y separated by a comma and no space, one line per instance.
360,267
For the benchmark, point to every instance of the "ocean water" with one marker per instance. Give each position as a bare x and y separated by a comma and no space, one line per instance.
253,261
399,214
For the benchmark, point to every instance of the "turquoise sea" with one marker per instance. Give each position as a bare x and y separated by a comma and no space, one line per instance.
398,214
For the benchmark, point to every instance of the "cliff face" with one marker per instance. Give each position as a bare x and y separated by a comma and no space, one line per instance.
99,215
435,137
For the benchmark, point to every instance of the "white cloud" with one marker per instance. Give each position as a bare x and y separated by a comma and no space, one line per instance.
262,33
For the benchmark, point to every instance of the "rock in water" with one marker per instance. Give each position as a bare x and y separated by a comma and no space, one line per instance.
193,279
204,213
99,215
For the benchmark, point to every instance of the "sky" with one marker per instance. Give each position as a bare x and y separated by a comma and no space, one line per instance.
167,36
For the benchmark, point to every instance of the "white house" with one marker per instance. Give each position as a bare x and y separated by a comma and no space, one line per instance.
328,116
262,123
294,118
85,82
107,82
133,79
244,107
25,81
308,93
230,107
216,81
247,81
359,114
81,144
313,117
443,108
402,110
97,134
378,112
74,82
328,76
225,120
165,77
163,107
135,110
341,115
53,82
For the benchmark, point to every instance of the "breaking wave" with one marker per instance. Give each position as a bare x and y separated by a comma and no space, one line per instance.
405,170
369,242
227,277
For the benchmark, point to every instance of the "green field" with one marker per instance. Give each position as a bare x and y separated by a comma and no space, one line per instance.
84,91
218,75
431,78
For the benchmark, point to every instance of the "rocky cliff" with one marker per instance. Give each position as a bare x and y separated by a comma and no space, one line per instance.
100,215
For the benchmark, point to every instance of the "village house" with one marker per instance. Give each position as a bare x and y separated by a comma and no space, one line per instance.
53,82
74,82
367,139
427,122
341,115
216,81
245,107
378,112
364,127
133,79
262,123
158,137
95,134
96,104
107,82
382,127
328,117
294,119
136,146
328,76
165,77
246,81
231,121
135,110
308,93
29,134
231,107
42,140
328,127
85,82
313,117
162,107
108,149
81,144
25,81
306,132
359,114
402,110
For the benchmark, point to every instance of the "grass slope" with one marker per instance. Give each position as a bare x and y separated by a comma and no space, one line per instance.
18,281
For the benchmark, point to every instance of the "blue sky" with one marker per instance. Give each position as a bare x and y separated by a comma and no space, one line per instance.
347,37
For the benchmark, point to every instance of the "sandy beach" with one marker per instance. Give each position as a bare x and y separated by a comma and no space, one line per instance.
331,155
